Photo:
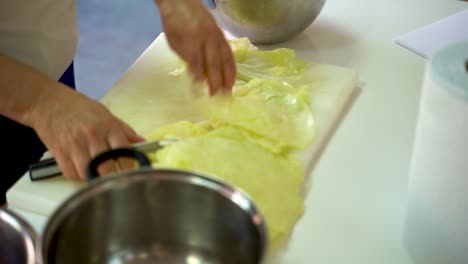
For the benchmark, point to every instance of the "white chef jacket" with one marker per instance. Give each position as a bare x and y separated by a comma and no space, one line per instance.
41,33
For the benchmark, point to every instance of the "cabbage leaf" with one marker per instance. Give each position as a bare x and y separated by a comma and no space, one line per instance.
273,110
249,138
271,180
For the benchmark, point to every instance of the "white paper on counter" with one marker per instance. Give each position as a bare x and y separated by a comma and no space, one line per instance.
426,40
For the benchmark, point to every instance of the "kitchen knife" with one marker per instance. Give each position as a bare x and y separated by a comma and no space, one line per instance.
48,168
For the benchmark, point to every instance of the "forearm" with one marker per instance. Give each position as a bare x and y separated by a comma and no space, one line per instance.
21,89
179,9
161,2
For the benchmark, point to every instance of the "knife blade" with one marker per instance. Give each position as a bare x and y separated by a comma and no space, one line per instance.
48,168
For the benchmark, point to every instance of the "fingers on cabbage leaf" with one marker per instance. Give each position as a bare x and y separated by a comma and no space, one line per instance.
249,138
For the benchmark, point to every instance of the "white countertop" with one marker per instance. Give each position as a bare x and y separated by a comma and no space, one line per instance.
356,202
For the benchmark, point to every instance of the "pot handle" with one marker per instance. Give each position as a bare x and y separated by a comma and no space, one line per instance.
92,171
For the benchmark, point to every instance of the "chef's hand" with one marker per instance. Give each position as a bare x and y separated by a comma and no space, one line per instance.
75,129
194,35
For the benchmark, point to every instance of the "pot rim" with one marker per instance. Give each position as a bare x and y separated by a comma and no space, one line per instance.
232,193
24,229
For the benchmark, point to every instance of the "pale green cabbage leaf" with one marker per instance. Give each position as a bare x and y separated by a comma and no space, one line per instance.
248,138
273,181
275,111
279,64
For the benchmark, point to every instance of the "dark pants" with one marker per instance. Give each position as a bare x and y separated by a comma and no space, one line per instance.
21,145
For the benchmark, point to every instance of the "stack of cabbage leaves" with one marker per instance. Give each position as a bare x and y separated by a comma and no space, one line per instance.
249,138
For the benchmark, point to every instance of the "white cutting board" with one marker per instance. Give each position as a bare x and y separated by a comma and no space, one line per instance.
147,97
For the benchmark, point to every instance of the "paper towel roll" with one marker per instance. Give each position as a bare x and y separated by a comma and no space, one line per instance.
436,224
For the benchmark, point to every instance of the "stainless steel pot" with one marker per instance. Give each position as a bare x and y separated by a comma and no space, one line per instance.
265,21
154,216
17,239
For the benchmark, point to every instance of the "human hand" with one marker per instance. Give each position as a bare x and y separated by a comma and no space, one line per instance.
75,129
193,34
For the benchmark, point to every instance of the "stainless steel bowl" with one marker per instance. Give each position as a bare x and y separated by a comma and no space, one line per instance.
156,216
265,21
17,239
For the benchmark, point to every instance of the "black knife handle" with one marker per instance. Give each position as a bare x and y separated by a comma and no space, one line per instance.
44,169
